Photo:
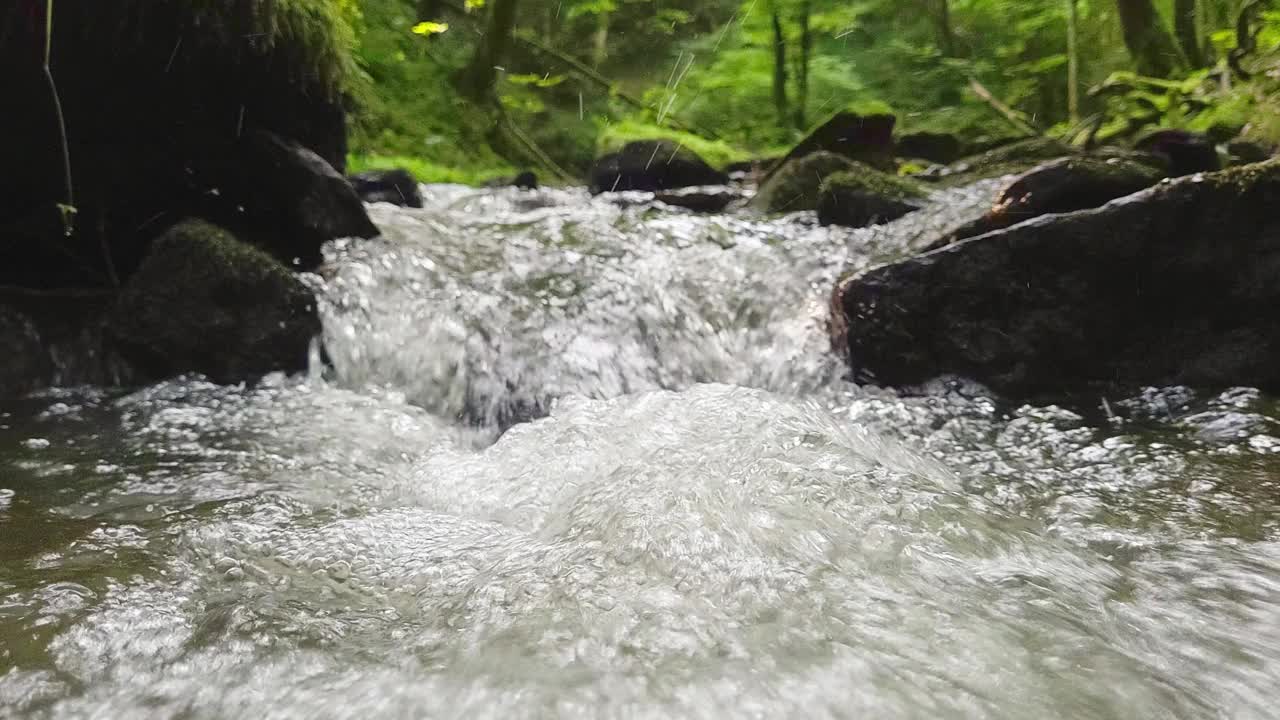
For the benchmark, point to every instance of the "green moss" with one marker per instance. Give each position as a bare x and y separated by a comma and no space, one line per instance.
717,154
206,302
427,171
863,178
797,185
312,38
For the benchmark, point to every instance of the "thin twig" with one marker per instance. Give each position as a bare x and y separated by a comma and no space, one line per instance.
68,208
1015,118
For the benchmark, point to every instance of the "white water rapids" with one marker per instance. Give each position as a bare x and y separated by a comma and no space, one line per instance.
708,521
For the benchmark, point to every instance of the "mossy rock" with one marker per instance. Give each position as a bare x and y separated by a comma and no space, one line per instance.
1017,157
205,302
869,180
865,196
797,185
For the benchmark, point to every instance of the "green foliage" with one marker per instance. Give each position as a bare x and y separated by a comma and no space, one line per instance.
426,171
717,153
703,71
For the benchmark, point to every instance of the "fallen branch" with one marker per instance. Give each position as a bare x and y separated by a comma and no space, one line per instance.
591,75
1018,120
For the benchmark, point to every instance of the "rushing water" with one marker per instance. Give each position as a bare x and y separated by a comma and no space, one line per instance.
702,518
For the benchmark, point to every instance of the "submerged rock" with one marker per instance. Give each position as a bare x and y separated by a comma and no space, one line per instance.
1060,186
205,302
652,165
797,185
1175,285
701,200
398,187
27,364
864,196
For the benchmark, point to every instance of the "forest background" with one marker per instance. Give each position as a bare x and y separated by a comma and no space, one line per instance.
470,90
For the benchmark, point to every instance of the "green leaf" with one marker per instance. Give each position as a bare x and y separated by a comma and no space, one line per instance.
430,28
542,81
474,4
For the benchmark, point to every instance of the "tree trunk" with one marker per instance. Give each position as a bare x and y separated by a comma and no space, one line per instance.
779,69
600,51
477,79
429,9
802,67
1185,16
1154,52
946,35
1073,60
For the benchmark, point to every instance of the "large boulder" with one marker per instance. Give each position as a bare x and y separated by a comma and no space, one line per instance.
864,196
701,200
291,200
398,187
865,138
1174,285
797,185
205,302
652,165
1060,186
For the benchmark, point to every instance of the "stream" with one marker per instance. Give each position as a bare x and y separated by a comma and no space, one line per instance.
594,458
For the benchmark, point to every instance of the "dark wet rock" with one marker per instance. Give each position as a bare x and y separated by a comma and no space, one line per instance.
701,200
398,187
1010,159
527,180
940,148
1187,152
865,196
294,198
652,165
1060,186
205,302
27,364
864,138
1172,286
1244,152
797,185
